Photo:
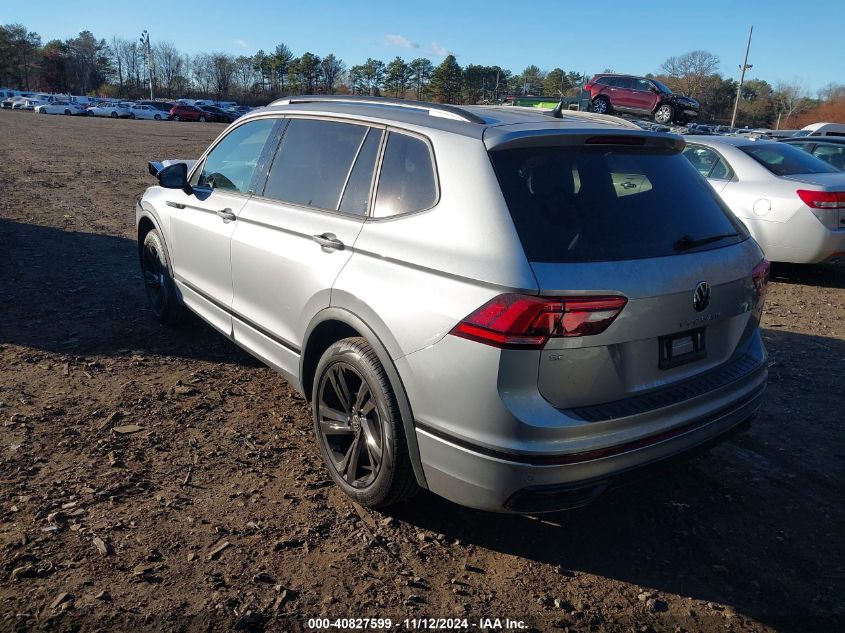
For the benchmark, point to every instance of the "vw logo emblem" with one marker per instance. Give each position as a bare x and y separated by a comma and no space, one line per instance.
701,296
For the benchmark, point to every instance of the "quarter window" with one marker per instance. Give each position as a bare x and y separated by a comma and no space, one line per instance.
314,162
708,163
231,164
407,181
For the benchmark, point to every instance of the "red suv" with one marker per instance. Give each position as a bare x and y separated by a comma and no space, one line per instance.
640,96
181,112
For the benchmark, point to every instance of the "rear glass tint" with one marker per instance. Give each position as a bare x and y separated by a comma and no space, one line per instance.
407,181
784,160
313,162
585,204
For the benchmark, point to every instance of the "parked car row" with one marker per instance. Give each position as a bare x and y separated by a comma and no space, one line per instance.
201,110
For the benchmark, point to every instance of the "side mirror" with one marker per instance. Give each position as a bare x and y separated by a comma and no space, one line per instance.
173,176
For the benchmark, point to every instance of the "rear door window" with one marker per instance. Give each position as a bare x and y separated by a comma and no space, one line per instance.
832,154
784,160
314,162
625,83
407,182
356,195
584,204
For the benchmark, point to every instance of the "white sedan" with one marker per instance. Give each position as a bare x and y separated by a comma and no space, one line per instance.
113,110
147,112
792,203
60,107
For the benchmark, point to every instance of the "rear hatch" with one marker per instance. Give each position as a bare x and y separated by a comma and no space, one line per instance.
626,216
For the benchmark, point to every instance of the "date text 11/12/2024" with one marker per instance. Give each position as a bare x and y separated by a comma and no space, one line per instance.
416,624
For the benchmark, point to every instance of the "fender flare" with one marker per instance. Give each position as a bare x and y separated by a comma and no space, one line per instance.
353,321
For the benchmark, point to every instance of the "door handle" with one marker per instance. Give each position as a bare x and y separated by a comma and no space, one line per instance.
329,241
226,215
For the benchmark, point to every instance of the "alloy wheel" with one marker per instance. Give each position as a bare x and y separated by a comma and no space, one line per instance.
350,426
155,279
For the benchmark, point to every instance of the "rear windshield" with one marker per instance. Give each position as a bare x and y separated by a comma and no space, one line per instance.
784,160
585,204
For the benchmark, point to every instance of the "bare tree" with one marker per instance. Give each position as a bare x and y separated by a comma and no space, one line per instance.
222,72
691,70
168,62
790,99
244,75
201,73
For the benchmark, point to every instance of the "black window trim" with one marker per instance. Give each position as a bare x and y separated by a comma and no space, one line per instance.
337,212
377,174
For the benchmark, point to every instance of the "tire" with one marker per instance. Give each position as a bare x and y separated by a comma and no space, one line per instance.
601,105
157,117
67,112
131,115
664,113
349,375
202,119
113,115
176,117
158,280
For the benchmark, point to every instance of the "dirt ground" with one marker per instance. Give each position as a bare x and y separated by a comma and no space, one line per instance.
161,479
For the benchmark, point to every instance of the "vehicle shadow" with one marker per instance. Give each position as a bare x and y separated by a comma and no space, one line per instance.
754,523
81,293
823,275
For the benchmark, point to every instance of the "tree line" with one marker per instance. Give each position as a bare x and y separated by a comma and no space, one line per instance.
123,68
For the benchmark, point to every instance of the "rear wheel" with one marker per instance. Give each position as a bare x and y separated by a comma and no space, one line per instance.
158,280
664,113
67,112
131,115
601,105
202,119
113,115
157,117
176,117
359,426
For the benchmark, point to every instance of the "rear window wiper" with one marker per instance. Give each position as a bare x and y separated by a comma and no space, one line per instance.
687,242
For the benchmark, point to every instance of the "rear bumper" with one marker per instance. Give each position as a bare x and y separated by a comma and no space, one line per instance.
490,480
802,239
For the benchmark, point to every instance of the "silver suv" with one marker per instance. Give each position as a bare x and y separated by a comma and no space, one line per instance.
507,308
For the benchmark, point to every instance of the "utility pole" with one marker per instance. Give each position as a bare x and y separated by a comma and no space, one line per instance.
745,66
148,52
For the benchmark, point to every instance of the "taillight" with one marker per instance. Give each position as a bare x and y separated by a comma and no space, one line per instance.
760,277
512,321
822,199
588,86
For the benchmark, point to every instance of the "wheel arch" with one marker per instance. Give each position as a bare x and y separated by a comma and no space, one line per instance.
146,220
333,324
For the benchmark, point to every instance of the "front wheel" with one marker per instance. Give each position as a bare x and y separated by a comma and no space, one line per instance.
113,115
664,114
158,280
157,117
601,105
202,119
67,112
176,117
131,115
359,426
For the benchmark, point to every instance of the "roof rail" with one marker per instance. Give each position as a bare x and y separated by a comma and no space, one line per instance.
433,109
